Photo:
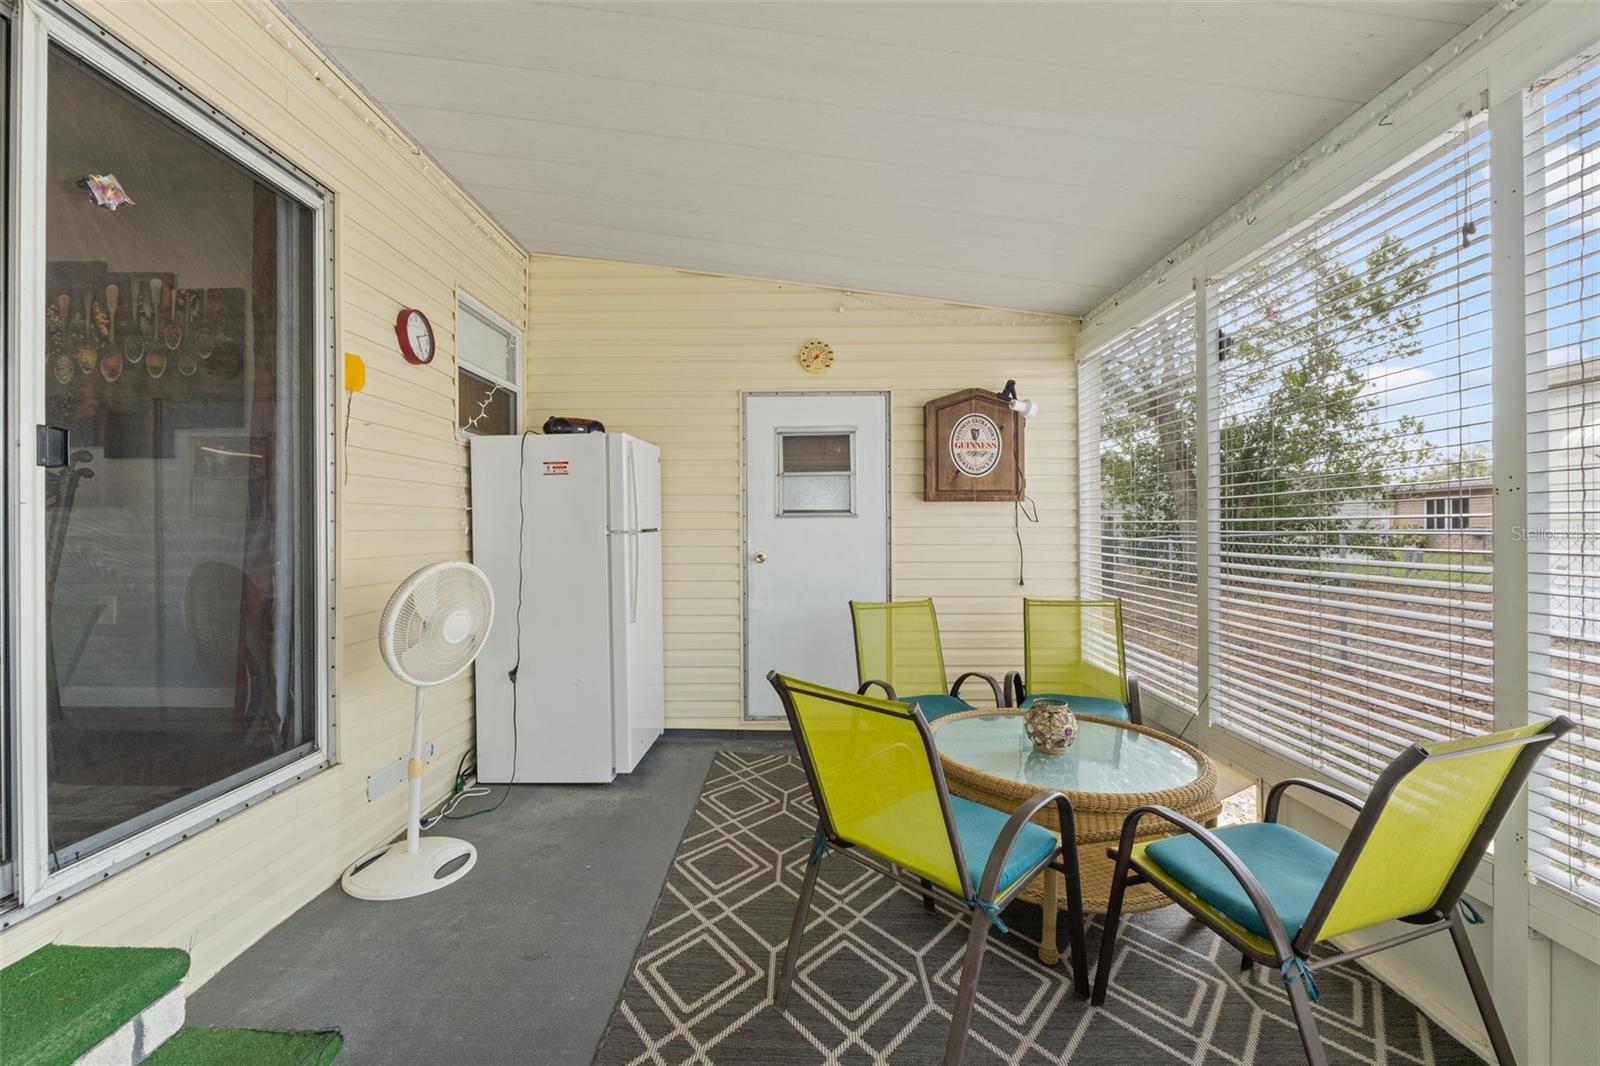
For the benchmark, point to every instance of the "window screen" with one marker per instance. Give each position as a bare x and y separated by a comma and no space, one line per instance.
1562,131
1139,500
1350,383
483,406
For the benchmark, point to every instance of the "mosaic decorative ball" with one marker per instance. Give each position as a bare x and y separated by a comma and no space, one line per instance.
1050,725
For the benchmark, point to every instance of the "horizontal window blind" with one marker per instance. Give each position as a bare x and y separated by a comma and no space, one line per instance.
1562,129
1349,369
1139,495
486,348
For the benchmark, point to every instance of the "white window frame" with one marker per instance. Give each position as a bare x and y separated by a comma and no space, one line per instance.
1444,513
466,302
37,27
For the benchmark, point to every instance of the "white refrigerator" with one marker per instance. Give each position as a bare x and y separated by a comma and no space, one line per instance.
570,682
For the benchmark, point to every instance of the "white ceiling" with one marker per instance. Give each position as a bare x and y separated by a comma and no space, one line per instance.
1021,155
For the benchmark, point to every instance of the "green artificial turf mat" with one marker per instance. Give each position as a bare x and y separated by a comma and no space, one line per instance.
61,1001
248,1047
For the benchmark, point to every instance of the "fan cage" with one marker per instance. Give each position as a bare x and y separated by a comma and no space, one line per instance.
412,634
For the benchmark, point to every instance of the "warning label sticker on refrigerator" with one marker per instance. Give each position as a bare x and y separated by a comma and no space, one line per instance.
555,468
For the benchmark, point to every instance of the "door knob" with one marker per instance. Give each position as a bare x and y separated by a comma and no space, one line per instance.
761,557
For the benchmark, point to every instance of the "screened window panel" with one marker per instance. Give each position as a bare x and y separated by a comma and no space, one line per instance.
1562,129
816,453
1350,373
484,406
1139,499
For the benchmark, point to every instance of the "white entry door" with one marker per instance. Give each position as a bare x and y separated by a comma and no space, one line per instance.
816,534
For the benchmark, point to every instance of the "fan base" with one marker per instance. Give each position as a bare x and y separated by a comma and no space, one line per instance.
398,874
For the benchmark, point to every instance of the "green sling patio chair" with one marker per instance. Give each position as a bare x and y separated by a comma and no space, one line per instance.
898,650
1072,650
1274,893
881,800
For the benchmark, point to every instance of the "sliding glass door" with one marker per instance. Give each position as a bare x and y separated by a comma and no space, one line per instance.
178,346
7,886
169,513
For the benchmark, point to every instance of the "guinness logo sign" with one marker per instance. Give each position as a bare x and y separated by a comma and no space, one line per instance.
975,445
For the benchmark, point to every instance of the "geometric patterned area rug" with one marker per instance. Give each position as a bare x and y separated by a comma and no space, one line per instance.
879,973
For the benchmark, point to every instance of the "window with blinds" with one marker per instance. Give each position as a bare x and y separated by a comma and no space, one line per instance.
1350,410
1139,495
1562,131
488,370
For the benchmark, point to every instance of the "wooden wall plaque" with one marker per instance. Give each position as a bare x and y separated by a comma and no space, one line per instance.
971,448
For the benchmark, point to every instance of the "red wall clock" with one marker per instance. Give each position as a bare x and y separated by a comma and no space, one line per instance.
416,336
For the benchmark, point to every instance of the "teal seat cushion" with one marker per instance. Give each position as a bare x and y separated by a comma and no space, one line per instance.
1290,866
936,706
1098,706
979,827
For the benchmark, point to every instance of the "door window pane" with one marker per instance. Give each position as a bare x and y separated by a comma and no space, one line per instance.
816,453
179,358
815,476
816,494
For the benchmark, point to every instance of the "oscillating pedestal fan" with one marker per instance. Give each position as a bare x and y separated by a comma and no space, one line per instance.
431,631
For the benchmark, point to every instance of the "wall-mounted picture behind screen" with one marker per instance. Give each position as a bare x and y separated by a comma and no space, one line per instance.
179,355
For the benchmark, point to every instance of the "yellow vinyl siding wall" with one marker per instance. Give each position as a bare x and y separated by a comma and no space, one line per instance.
403,237
665,354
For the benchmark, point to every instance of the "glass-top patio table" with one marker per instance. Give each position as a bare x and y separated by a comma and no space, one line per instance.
1110,769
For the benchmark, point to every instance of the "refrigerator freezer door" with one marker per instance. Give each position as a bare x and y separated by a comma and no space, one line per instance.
637,656
635,496
647,485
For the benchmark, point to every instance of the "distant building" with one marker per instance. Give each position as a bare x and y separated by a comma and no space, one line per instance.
1451,515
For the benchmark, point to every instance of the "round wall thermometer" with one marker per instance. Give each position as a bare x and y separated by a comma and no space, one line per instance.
815,357
416,336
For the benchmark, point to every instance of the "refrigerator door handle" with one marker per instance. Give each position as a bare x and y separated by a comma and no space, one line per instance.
633,581
633,488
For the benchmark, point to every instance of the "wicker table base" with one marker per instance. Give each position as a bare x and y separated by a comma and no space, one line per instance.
1097,818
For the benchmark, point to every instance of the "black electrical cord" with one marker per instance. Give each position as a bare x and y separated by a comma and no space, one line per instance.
1023,507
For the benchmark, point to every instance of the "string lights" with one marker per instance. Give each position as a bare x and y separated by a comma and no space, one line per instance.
495,388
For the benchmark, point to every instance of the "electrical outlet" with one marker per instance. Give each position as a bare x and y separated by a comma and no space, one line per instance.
391,774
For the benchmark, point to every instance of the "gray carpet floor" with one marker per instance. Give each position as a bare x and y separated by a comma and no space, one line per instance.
878,972
519,962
